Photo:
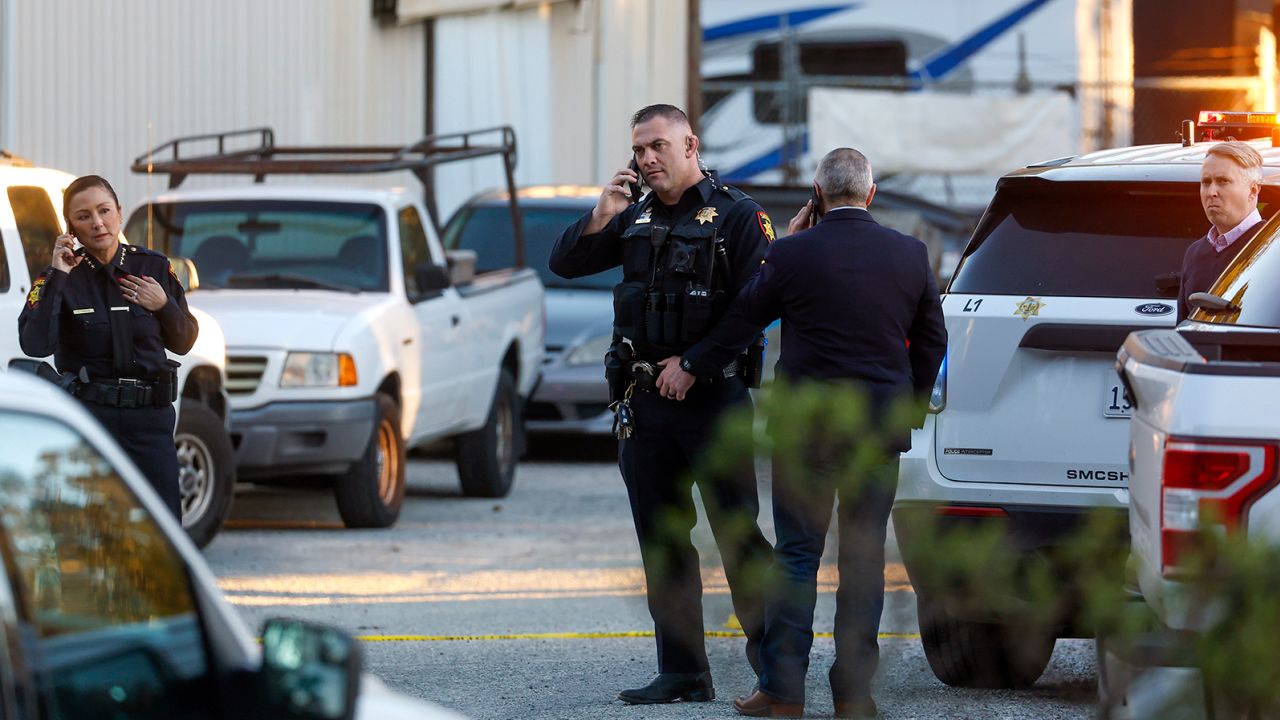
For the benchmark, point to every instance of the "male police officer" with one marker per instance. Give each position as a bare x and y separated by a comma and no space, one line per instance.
860,313
1230,179
686,248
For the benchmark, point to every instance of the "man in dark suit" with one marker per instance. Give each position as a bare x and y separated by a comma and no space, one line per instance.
860,313
1230,179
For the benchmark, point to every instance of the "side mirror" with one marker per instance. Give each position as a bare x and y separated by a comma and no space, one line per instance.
309,671
462,266
1211,303
185,270
431,277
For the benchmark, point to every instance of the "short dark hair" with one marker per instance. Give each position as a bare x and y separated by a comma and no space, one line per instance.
649,112
81,184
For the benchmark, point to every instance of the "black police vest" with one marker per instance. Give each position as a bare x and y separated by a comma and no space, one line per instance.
674,277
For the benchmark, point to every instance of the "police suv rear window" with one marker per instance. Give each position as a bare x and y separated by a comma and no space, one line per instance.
1083,239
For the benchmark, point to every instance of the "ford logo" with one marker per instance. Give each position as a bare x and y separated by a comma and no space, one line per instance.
1153,309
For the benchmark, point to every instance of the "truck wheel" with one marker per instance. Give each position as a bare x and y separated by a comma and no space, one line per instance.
971,654
206,471
370,494
487,457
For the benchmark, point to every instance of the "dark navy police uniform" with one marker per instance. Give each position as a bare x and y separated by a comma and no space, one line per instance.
859,307
666,307
83,320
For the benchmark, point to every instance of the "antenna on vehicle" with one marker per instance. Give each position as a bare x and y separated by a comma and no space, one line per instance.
1188,133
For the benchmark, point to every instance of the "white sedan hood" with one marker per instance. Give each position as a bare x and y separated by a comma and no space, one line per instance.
283,319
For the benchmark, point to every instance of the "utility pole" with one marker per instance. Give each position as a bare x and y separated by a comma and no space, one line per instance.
693,64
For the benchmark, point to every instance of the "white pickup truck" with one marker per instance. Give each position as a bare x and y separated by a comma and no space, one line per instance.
1204,438
351,335
30,218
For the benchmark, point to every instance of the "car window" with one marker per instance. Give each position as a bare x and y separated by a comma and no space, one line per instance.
272,244
413,248
37,223
1250,284
487,231
1084,239
111,623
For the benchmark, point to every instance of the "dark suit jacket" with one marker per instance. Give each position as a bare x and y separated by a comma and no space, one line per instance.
858,301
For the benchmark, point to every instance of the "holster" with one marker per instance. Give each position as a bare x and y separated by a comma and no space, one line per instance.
166,385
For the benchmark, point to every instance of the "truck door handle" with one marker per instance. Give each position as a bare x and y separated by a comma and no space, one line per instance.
456,320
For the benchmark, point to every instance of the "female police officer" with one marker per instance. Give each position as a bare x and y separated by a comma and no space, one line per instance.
107,311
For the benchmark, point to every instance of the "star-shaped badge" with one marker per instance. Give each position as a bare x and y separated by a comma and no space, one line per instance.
1027,308
705,215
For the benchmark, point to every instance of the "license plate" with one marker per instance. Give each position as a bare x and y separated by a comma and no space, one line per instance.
1114,404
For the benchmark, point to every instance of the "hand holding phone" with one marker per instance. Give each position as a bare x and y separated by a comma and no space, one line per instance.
815,212
634,187
65,254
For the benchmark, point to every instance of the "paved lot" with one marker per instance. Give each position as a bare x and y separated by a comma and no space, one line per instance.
533,606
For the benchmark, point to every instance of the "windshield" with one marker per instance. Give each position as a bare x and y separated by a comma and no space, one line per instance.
1084,240
487,231
1250,284
272,244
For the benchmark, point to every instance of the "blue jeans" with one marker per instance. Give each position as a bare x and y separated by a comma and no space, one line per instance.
802,503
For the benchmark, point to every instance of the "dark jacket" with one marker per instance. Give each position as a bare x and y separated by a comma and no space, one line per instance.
1202,265
858,301
625,241
82,318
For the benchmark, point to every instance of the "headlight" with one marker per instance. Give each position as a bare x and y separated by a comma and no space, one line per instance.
938,398
590,352
305,369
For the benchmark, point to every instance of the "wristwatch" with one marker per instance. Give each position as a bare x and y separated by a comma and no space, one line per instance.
686,366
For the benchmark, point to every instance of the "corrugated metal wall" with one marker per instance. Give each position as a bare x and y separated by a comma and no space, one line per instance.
92,75
567,76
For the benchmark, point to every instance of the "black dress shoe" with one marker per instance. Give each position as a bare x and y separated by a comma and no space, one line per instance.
670,687
864,709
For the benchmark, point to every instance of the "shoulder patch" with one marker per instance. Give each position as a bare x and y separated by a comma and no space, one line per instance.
766,225
37,290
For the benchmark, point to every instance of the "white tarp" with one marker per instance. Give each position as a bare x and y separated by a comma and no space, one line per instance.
934,132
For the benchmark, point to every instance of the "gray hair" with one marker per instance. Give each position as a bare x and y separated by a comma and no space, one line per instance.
844,174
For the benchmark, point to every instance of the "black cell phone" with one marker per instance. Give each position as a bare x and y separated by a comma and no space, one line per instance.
634,187
814,213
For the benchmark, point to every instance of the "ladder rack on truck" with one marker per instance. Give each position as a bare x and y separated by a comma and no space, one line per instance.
233,153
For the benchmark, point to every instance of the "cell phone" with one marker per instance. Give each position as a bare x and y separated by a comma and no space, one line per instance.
634,187
814,213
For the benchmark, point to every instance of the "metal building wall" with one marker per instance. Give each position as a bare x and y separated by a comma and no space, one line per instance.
566,75
96,81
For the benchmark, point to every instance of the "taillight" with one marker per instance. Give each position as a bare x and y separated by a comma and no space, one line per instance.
1207,484
938,398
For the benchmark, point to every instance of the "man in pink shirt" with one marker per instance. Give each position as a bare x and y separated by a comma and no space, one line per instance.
1230,179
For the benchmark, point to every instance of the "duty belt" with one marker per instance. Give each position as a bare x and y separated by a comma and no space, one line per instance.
119,392
646,374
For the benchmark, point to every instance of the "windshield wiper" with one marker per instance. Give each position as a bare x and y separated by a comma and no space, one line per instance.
286,280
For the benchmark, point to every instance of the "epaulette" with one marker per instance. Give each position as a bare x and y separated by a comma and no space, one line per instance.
733,192
141,251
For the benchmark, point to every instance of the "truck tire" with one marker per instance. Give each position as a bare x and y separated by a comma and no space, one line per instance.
206,471
970,654
487,457
371,493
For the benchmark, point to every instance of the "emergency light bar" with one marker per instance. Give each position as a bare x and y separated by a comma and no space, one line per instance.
1236,125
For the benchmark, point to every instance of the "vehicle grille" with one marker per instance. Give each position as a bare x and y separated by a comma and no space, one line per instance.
244,373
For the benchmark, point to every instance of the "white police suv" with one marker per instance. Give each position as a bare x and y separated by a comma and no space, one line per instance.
1029,426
